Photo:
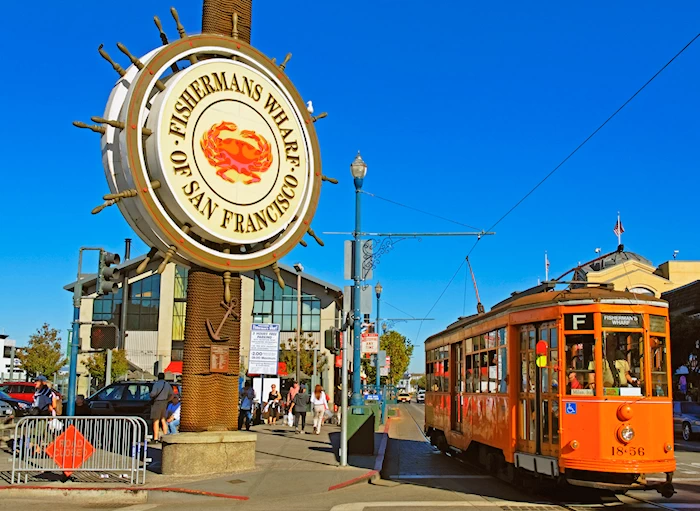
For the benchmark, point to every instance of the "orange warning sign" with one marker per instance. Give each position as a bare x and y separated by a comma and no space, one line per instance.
70,450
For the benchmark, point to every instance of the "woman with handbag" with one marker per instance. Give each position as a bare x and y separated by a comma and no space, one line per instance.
273,405
319,402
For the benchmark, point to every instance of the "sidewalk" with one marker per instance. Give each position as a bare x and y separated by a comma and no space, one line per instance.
302,463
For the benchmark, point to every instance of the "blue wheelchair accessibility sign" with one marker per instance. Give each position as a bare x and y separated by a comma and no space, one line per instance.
571,408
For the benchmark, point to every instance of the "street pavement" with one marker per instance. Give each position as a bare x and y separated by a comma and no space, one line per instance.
293,473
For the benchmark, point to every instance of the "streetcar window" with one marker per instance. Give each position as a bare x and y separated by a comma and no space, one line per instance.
501,336
523,340
491,340
580,364
445,376
622,366
469,372
484,378
477,370
553,338
659,378
493,371
470,345
482,342
502,371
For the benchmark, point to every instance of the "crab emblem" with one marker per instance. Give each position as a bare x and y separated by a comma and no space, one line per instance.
236,154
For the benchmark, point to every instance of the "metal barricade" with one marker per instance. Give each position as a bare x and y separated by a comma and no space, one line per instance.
115,447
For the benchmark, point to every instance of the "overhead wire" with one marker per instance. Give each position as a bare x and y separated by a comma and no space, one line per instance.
394,307
439,297
561,163
420,210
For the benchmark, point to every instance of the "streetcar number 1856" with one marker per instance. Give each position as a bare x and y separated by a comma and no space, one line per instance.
632,451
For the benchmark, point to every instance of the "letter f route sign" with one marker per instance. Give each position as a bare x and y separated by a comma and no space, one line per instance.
70,450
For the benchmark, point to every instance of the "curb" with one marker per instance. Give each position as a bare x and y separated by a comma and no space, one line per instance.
375,474
129,495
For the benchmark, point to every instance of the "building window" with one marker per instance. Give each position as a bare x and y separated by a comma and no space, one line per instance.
180,303
108,308
144,301
276,305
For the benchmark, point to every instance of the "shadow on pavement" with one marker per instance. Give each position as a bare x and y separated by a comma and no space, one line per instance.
417,463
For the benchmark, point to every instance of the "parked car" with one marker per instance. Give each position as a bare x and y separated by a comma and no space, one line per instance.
686,418
22,390
124,398
404,397
420,396
17,407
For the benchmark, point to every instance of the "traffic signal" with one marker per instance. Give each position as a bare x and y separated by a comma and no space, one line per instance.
332,340
104,337
541,352
107,276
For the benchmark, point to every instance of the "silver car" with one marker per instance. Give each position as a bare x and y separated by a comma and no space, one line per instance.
686,418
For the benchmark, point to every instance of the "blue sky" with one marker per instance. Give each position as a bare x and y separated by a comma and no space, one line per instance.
459,108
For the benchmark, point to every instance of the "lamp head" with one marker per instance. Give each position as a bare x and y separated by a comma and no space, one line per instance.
378,289
298,267
358,168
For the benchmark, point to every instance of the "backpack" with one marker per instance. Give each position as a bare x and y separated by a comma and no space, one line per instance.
59,402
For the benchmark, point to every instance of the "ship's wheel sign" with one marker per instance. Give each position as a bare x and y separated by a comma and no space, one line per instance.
210,153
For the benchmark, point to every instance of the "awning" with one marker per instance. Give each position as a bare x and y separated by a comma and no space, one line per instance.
174,368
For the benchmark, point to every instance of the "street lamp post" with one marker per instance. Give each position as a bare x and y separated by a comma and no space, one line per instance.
358,168
378,290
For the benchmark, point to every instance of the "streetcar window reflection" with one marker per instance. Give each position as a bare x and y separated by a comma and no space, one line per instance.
580,364
659,377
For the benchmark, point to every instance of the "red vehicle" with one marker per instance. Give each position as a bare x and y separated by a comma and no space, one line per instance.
23,390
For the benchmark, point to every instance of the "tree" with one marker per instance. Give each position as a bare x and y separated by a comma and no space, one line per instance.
43,356
399,349
96,363
306,356
419,382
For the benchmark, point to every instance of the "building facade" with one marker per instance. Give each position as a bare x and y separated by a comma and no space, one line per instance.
156,310
631,272
6,345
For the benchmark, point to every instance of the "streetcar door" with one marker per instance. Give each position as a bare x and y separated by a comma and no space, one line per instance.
527,397
548,393
457,386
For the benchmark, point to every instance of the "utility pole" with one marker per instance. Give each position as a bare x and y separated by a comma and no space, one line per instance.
299,268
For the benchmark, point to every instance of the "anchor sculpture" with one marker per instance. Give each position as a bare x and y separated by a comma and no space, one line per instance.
215,335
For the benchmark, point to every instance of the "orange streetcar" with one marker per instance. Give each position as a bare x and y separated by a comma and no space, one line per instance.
571,385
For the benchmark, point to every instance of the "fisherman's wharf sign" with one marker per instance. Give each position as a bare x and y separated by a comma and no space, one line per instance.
216,152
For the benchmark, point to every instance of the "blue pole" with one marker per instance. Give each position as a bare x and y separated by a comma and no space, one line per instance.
379,376
357,325
73,364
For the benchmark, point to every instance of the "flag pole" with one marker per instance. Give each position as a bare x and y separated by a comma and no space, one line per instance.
546,267
619,230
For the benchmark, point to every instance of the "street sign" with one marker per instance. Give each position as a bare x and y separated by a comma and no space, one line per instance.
264,349
218,362
370,343
349,259
384,371
70,450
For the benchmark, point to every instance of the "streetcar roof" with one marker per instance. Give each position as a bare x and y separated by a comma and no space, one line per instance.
578,296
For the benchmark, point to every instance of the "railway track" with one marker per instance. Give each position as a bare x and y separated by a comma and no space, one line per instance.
614,502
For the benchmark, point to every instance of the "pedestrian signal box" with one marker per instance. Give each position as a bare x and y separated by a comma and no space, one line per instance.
104,337
541,352
333,340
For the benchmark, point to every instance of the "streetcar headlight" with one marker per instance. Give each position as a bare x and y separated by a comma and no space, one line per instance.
697,423
625,434
574,444
668,447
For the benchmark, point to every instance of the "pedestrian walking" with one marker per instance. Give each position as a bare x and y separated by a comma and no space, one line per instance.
44,401
81,406
273,405
300,406
161,394
319,401
290,398
173,415
245,413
